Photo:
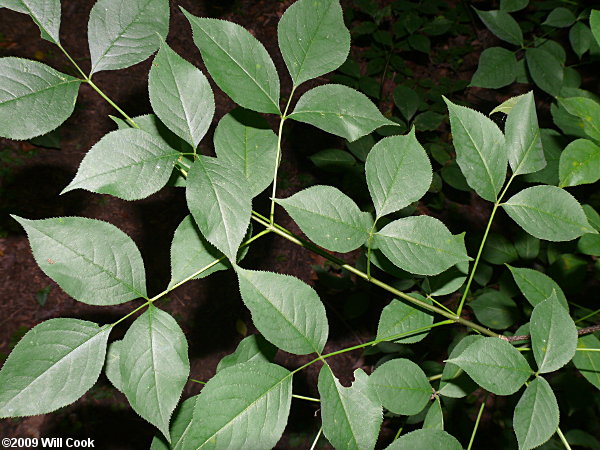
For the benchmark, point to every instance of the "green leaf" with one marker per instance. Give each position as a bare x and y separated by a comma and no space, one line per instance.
151,124
552,142
592,216
579,163
581,38
401,386
589,244
329,218
553,335
495,365
546,70
497,68
548,212
361,147
480,150
527,246
560,18
502,25
53,365
238,63
425,439
34,98
587,110
523,140
445,283
45,13
455,383
333,160
588,363
339,110
219,199
351,416
253,348
398,173
435,418
513,5
154,366
495,310
91,260
498,250
180,428
536,415
406,100
401,317
180,96
244,139
313,39
243,406
507,105
112,366
122,33
595,24
130,164
421,245
287,311
536,286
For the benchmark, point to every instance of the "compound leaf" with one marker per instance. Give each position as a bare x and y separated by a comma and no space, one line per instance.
243,406
154,366
421,245
426,439
91,260
480,150
537,286
502,25
399,317
579,163
339,110
313,39
536,415
243,139
219,199
497,68
53,365
548,212
329,218
122,33
252,348
523,140
130,164
287,311
398,173
588,363
546,70
34,98
238,63
180,95
495,365
553,335
45,13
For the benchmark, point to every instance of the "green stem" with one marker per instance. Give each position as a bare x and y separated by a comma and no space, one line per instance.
314,444
435,377
309,399
592,314
278,156
81,72
111,103
313,248
477,422
369,244
563,439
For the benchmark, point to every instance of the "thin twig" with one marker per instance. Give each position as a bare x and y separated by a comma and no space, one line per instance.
527,337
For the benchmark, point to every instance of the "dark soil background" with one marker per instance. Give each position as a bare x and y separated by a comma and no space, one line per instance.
209,311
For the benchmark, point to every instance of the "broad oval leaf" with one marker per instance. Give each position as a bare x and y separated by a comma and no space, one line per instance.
426,439
53,365
287,311
495,365
480,150
122,33
421,245
401,386
351,416
513,5
253,348
595,24
112,367
130,164
435,416
219,199
400,317
238,62
91,260
313,39
580,37
587,110
560,17
180,428
536,415
497,68
548,212
329,218
180,96
243,406
546,70
588,362
495,309
553,335
523,139
579,163
34,98
537,286
45,13
244,139
455,383
339,110
502,25
154,366
398,173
